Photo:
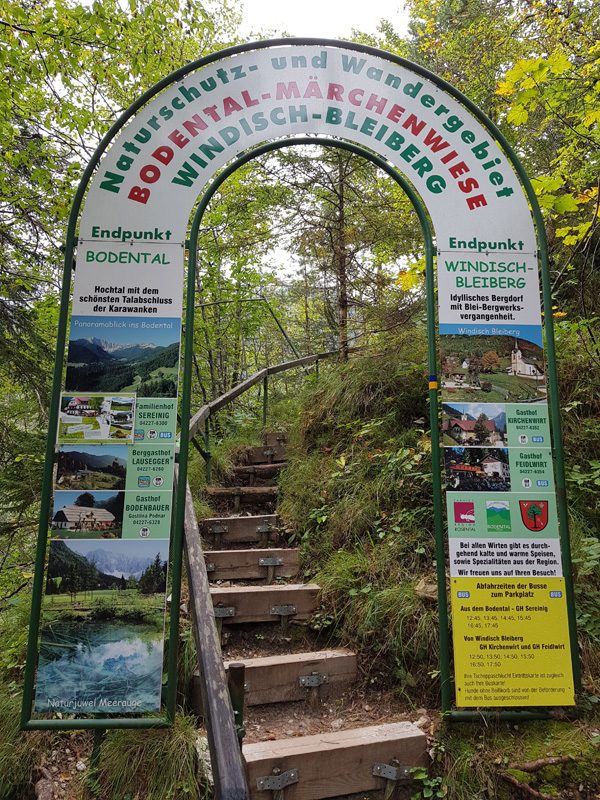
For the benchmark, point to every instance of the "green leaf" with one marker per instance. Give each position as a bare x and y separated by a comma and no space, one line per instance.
517,115
565,203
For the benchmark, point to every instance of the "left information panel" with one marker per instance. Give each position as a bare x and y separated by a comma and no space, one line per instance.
103,611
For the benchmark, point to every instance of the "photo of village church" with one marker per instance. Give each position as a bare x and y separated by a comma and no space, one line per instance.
479,469
87,515
491,369
474,424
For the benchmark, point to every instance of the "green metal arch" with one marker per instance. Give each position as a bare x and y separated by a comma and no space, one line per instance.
65,298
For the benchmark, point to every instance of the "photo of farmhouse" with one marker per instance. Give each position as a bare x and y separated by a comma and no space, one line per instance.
87,515
103,622
479,469
474,424
491,369
133,358
94,466
96,418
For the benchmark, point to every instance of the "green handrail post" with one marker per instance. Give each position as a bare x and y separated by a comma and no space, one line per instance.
317,368
280,326
265,399
208,456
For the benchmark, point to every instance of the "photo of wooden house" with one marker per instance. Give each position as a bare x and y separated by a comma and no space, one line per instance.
87,515
79,518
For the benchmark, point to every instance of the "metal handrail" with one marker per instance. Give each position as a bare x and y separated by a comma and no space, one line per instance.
226,758
215,405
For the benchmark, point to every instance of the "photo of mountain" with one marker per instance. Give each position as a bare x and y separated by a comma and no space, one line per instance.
91,466
108,354
87,569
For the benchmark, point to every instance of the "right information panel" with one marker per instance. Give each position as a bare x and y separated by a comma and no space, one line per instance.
509,611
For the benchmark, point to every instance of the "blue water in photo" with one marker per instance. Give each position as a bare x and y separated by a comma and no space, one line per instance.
99,667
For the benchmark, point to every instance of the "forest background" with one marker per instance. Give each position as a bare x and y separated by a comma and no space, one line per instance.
323,238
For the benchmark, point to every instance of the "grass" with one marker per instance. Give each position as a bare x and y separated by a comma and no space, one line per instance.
20,753
92,480
106,533
505,388
159,372
153,764
473,759
99,597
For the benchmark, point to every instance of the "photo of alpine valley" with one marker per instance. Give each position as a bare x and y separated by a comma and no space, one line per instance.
99,466
474,424
101,646
491,369
87,515
108,354
480,469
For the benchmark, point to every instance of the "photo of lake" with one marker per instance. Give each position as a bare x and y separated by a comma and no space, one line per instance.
105,666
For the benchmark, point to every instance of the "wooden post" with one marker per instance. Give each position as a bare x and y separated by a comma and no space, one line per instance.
236,678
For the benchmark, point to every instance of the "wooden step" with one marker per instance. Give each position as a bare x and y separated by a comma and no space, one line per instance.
253,497
335,764
259,603
276,679
275,439
245,492
259,471
236,530
227,565
263,454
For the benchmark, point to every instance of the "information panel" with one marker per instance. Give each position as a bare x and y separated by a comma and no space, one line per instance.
509,612
103,611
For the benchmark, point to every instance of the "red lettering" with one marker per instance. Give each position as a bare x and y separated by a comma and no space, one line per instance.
476,201
468,185
139,195
163,154
149,173
356,96
395,112
178,138
458,169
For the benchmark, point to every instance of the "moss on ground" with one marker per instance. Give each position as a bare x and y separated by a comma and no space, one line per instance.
475,758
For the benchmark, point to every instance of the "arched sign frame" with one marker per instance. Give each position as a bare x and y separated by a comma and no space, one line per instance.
27,722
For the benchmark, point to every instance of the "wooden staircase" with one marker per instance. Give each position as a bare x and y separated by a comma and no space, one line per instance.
249,567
